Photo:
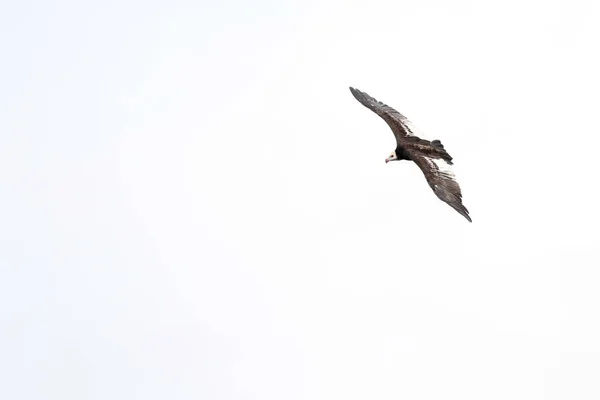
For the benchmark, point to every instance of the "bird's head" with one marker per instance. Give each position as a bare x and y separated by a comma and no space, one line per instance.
392,157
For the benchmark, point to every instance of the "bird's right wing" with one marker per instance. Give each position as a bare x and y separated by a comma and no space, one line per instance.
441,179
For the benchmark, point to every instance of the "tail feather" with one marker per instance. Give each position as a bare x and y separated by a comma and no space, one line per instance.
437,143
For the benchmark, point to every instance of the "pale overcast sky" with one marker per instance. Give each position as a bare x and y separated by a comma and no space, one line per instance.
194,206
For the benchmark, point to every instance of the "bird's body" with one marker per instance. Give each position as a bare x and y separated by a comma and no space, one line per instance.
430,156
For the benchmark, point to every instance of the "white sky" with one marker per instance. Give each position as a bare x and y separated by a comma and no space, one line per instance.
194,206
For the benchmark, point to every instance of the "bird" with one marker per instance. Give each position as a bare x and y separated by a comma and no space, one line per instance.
430,156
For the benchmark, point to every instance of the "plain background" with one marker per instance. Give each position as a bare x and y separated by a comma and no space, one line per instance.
194,206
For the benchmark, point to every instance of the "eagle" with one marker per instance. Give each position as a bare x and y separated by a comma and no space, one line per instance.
430,156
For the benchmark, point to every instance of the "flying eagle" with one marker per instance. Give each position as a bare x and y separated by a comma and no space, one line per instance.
430,156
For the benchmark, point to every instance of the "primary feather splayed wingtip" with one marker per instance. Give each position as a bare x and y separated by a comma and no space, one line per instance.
430,156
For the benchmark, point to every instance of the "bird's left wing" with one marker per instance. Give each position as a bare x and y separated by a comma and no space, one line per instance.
400,125
441,179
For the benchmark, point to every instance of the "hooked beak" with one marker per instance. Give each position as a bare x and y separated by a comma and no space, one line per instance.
387,160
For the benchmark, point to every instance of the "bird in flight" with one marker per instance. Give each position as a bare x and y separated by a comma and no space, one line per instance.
430,156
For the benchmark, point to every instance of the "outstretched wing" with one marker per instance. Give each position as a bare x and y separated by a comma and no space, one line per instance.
438,172
400,125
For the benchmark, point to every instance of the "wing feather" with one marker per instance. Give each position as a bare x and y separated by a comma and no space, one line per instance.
438,173
399,124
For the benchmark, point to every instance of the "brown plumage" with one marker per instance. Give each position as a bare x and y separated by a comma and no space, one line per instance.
430,156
